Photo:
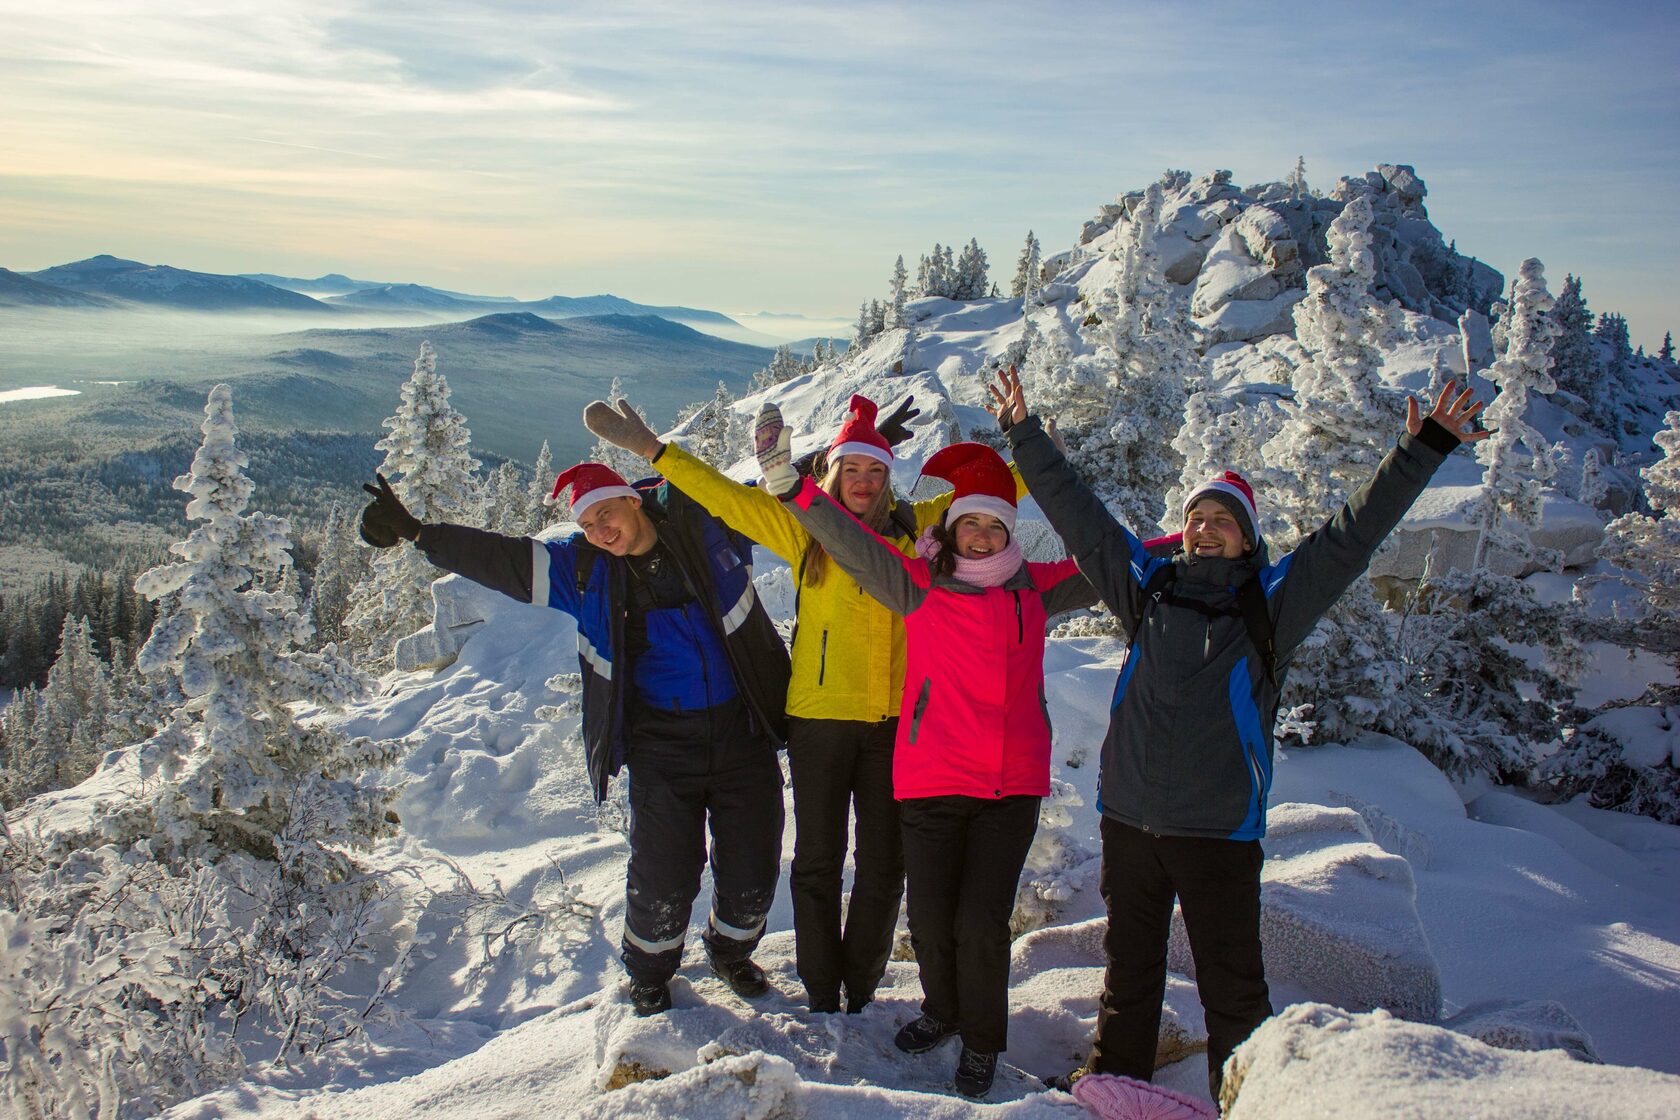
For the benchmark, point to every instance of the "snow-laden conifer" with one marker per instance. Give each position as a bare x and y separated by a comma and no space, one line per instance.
1342,419
542,485
714,431
505,500
431,467
896,294
238,767
629,466
1025,284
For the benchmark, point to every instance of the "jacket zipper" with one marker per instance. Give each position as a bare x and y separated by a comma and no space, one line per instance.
921,706
1020,630
822,659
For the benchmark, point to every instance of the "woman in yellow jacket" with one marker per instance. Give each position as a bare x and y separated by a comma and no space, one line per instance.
843,699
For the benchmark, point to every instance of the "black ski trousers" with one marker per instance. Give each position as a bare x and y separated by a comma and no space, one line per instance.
841,768
1218,887
691,773
962,859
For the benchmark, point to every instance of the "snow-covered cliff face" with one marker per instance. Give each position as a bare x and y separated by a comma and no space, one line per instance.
1245,251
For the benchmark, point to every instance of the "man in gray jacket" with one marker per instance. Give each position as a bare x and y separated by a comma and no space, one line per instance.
1187,761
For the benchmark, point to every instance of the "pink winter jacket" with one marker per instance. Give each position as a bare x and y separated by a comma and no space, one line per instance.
973,720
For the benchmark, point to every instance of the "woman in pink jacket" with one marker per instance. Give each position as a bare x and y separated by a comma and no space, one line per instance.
972,758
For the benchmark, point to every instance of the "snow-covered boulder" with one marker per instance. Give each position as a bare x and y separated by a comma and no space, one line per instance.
1317,1060
1246,319
459,606
1338,916
754,1086
1231,272
1438,524
1525,1024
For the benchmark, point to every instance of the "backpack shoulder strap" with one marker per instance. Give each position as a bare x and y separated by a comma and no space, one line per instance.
1251,601
1150,595
583,561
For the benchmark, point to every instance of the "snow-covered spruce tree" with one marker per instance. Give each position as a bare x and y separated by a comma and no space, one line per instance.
862,329
1341,422
25,768
1025,284
896,295
505,500
1666,351
1611,757
783,367
250,768
1297,181
1220,433
714,431
431,467
542,484
971,280
1147,346
75,704
630,467
340,566
1575,366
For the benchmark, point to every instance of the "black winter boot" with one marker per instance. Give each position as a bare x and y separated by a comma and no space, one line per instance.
744,977
975,1071
650,997
923,1035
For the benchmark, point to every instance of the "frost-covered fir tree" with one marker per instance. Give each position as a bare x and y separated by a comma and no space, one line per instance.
75,705
970,280
431,467
1574,357
1220,433
1516,458
714,431
896,294
1025,284
505,500
238,770
783,367
629,467
341,565
1297,181
1148,345
1343,418
1666,351
1618,759
1341,422
863,329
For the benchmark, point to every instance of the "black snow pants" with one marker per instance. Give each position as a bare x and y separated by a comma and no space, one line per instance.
841,767
962,859
1218,887
690,773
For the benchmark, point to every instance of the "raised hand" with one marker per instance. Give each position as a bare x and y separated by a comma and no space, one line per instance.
1009,401
773,444
386,520
622,427
1456,414
895,429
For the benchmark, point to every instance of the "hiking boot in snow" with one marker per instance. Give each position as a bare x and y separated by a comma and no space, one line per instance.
650,997
744,977
922,1035
826,1004
1064,1082
975,1071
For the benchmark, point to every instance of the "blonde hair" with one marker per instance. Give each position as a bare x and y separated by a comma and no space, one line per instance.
815,561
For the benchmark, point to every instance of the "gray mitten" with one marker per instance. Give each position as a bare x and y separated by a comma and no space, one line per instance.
774,444
621,427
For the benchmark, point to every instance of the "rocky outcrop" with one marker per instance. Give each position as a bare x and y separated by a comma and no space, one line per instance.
457,610
1525,1024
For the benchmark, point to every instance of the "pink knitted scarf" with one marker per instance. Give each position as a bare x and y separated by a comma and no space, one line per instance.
990,571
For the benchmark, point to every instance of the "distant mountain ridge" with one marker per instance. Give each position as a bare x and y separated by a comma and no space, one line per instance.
164,286
18,290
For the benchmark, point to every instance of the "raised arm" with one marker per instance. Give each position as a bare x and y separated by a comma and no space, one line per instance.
1108,554
874,562
1311,578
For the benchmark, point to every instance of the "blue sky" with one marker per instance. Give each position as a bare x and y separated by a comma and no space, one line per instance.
779,156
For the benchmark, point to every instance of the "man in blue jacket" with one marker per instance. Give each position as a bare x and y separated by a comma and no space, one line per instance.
684,677
1187,762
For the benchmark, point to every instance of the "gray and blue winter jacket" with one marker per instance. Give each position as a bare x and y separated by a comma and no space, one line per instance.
1189,745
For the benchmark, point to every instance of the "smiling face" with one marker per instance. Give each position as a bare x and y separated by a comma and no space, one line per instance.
1211,529
861,481
979,535
618,526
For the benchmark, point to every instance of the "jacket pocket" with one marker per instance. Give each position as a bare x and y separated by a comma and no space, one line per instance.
921,708
822,659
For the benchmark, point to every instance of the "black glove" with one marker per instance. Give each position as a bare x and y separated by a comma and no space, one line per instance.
895,429
386,520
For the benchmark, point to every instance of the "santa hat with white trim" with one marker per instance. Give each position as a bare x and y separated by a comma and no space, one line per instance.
858,435
591,483
1232,491
982,481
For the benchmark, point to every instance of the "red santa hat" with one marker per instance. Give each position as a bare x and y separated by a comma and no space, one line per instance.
1232,491
591,483
858,435
982,481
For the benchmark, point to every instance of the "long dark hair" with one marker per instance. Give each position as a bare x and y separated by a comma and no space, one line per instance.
946,561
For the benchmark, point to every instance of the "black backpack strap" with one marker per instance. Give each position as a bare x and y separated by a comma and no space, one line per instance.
1251,601
1150,595
583,559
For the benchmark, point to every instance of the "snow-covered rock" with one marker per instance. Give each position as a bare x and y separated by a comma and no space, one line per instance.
1317,1060
458,608
1524,1024
1338,916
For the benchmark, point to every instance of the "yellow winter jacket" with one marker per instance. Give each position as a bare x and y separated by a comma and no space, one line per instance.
848,650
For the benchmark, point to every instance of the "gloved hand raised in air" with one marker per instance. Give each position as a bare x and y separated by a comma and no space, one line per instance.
895,429
622,427
774,444
386,520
